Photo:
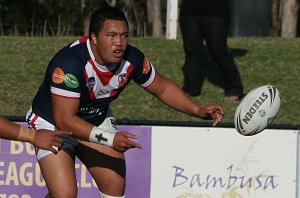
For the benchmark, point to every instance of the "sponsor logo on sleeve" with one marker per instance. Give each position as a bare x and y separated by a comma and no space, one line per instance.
59,77
146,66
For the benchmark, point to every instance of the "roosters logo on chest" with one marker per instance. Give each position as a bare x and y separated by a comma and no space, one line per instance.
122,79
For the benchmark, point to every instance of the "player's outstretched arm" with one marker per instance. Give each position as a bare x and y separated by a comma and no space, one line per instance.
43,139
173,96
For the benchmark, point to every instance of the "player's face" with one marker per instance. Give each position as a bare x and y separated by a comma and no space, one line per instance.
110,44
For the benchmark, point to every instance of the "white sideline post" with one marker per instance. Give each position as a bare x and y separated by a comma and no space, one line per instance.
172,15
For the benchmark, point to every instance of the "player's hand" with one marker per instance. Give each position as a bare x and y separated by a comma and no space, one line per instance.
212,112
46,139
122,141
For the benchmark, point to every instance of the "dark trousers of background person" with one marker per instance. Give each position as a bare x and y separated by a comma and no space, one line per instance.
214,30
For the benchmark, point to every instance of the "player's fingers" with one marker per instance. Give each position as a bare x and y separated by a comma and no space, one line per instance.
220,110
134,144
214,109
131,135
217,117
131,143
128,144
216,122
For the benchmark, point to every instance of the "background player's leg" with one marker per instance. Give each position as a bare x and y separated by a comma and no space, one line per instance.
192,35
216,32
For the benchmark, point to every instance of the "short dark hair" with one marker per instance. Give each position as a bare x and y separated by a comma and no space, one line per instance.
105,13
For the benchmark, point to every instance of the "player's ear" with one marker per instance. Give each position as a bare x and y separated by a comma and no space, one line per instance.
94,38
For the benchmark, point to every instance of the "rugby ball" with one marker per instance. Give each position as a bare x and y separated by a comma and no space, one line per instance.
257,110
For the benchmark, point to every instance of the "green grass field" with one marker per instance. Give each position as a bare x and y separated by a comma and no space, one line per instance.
261,61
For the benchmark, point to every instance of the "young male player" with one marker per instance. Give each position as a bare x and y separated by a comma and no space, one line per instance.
81,81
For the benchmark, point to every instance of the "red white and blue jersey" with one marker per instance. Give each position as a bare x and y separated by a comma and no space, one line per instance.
73,73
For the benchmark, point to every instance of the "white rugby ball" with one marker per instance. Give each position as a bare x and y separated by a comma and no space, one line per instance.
257,110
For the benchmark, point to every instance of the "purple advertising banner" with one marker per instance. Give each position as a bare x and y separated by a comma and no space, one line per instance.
138,162
20,175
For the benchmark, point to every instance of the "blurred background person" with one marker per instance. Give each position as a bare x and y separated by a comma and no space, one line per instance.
207,20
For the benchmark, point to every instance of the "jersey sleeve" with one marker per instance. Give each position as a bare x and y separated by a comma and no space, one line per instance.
66,75
144,71
147,75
